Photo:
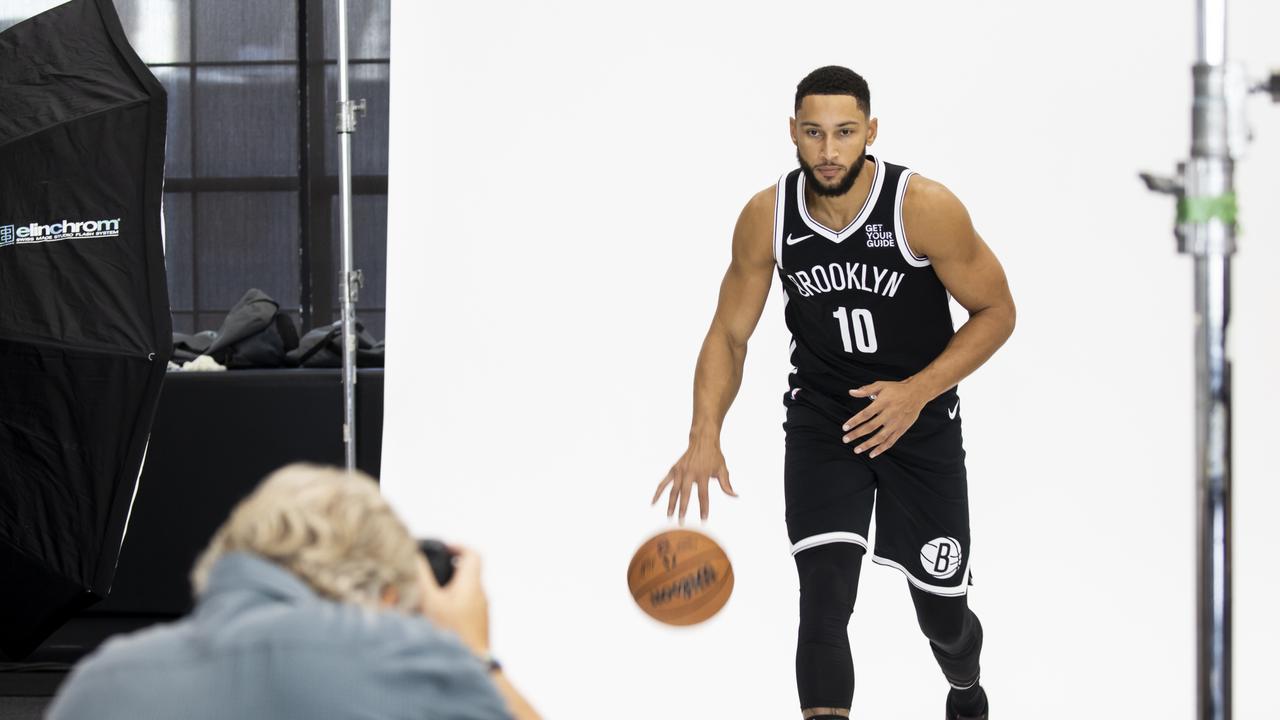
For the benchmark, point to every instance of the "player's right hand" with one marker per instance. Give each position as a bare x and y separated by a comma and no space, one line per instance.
701,462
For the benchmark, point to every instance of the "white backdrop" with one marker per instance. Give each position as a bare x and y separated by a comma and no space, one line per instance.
565,176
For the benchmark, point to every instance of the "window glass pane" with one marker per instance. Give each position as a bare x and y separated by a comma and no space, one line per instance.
246,30
177,249
374,321
369,240
369,142
177,82
183,323
368,29
246,240
246,121
210,320
159,30
13,12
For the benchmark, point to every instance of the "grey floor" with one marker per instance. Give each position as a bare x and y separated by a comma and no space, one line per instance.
23,708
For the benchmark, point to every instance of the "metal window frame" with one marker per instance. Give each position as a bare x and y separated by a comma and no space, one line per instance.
317,291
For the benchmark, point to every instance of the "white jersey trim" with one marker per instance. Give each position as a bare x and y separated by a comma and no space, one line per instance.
932,589
876,183
907,253
779,219
827,539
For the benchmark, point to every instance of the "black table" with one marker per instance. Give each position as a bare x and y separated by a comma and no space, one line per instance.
215,436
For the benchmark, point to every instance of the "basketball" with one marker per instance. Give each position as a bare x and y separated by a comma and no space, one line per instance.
680,577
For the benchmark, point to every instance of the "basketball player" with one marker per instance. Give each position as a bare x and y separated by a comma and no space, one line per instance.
868,254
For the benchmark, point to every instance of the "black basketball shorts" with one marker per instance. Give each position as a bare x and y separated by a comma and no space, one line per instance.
917,489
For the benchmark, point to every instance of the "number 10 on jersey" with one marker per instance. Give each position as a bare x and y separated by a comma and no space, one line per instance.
856,327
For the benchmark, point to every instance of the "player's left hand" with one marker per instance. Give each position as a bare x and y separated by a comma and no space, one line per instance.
894,408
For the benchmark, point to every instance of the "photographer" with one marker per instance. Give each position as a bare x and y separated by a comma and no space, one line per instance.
313,600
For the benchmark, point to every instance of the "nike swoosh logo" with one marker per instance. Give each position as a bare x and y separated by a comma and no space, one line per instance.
952,412
793,241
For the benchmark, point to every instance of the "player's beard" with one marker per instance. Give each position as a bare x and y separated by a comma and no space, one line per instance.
840,188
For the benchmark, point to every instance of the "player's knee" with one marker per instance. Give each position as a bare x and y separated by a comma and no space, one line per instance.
945,635
947,625
828,588
830,572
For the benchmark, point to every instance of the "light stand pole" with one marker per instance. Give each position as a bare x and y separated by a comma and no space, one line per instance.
349,281
1206,230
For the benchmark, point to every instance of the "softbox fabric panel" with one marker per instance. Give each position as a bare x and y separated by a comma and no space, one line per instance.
85,332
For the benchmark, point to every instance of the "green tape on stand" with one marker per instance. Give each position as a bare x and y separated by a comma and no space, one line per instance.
1204,209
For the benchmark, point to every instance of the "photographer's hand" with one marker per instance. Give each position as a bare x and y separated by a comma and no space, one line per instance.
461,605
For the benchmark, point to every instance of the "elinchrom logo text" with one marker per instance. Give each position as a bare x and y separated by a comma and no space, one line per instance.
64,230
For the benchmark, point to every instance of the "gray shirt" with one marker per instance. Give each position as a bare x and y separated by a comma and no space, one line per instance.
261,644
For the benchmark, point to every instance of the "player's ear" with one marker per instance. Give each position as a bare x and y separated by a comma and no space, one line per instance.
873,127
792,123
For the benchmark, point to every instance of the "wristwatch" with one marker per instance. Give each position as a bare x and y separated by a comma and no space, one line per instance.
490,662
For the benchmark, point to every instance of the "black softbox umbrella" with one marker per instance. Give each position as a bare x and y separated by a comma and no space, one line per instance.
85,334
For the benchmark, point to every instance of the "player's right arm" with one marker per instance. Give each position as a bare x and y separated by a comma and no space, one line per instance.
724,351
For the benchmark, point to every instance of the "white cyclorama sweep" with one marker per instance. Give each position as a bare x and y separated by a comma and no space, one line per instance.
564,182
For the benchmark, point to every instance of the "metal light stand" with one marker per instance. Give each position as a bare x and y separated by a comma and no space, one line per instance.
349,281
1206,229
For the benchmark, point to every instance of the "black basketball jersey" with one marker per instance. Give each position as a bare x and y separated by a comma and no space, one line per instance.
860,305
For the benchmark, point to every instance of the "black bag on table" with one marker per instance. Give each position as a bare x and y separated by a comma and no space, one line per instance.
189,347
322,348
255,334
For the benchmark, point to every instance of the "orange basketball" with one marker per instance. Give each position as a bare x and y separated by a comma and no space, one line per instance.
680,577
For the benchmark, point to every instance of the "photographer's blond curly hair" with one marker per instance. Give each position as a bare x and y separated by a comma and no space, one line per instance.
329,527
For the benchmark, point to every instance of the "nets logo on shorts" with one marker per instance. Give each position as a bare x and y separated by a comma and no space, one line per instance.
941,557
6,235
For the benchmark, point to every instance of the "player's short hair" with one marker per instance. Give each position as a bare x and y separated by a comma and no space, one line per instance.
329,527
835,80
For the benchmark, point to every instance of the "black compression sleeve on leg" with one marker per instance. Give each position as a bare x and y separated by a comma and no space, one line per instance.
955,636
828,587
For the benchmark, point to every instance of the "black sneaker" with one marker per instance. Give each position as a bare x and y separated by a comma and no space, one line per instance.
953,715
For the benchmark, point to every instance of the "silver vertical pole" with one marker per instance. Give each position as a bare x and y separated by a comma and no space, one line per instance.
1207,218
1206,230
350,280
